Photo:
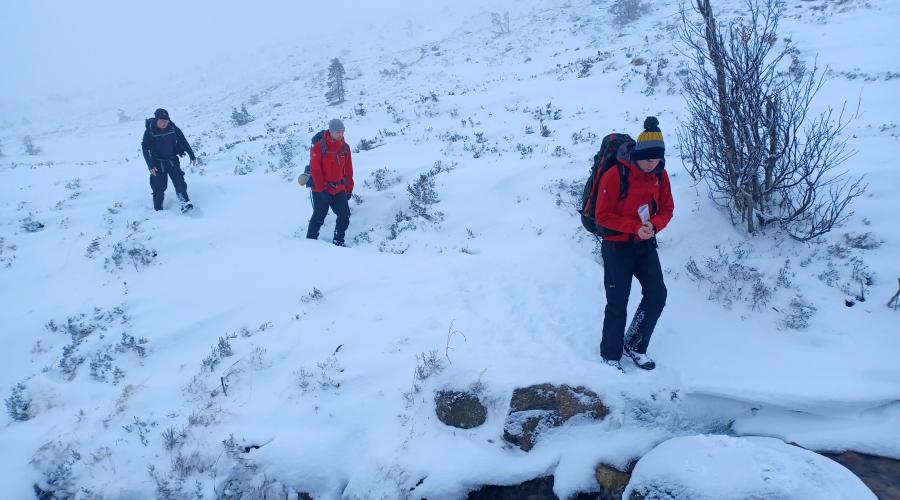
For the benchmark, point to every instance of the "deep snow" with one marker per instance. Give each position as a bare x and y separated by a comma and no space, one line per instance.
324,383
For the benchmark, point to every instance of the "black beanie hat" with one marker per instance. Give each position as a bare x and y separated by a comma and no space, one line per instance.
649,143
161,114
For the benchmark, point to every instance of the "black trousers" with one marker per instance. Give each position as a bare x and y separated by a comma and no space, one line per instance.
621,261
339,204
160,181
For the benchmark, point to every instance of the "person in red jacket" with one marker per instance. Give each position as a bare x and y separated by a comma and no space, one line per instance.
332,178
637,216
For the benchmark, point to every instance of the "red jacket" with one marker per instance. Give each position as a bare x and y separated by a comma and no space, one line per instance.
622,215
333,170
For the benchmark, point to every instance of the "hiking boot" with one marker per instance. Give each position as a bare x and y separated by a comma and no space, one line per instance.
614,363
338,243
186,206
640,359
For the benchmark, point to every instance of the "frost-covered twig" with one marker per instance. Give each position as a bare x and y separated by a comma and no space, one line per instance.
450,333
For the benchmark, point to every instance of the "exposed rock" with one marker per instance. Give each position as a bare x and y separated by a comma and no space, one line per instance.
536,489
881,475
459,409
612,482
538,408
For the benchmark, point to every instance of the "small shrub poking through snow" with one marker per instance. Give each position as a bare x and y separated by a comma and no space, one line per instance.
383,178
242,117
627,11
428,364
798,314
29,225
129,250
18,404
315,295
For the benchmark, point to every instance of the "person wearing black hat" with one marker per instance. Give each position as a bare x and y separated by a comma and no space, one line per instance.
635,217
162,144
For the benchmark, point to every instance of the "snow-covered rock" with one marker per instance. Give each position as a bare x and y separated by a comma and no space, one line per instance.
723,467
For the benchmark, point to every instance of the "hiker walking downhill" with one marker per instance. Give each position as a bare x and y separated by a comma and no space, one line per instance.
163,143
331,169
637,215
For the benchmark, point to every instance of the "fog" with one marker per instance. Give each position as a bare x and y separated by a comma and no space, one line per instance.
60,48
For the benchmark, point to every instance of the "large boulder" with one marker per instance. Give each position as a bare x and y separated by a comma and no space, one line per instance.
535,409
722,467
459,409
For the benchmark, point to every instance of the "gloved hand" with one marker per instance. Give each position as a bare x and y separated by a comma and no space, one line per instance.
153,171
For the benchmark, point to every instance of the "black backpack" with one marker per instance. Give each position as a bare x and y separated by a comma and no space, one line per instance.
180,150
604,160
317,138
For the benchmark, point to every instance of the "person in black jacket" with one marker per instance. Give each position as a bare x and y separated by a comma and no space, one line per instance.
163,143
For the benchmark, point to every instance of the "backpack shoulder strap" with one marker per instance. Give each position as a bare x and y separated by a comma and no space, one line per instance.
623,180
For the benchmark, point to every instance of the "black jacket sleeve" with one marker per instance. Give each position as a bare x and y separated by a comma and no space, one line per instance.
183,145
145,147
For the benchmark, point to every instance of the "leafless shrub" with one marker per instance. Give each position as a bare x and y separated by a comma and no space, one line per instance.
750,134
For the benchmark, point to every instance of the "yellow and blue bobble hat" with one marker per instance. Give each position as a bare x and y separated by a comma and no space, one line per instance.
649,143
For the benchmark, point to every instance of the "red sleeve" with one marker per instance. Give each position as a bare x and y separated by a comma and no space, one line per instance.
348,173
607,199
666,207
315,167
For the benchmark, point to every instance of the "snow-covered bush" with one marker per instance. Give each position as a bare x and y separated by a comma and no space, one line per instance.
18,404
100,349
7,253
567,193
221,350
56,460
422,195
732,279
129,250
315,295
428,364
798,313
30,148
29,225
382,178
628,11
367,145
242,117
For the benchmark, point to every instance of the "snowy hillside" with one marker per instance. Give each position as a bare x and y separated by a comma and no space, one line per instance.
222,355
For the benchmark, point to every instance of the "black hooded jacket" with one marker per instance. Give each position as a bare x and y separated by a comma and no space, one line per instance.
165,144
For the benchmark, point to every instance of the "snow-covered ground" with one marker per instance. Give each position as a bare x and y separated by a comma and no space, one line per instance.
162,354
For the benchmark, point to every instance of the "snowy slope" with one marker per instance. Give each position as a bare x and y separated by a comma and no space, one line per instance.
255,336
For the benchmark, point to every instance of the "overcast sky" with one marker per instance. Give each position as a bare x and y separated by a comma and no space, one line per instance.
55,47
